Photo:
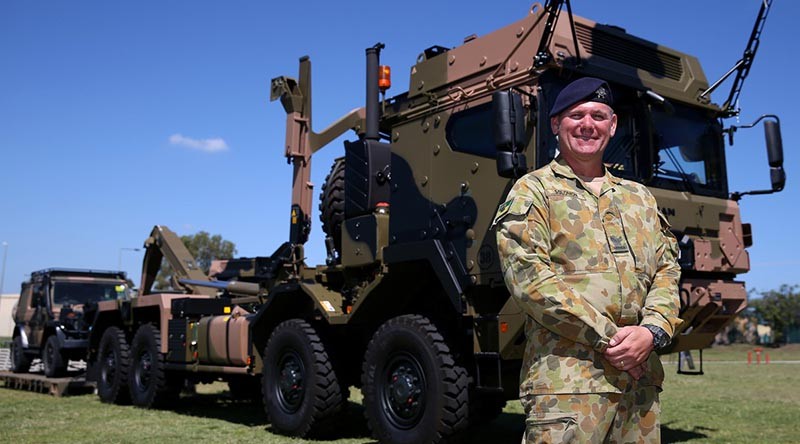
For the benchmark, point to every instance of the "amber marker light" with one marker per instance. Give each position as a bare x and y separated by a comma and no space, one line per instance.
384,77
504,327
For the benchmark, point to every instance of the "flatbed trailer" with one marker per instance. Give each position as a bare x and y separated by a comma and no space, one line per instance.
72,384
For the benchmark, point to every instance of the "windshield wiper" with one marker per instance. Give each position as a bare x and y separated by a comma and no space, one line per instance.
681,173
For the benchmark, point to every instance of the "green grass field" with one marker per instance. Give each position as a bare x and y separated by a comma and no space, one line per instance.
731,403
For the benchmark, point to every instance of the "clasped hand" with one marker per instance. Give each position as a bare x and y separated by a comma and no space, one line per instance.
629,349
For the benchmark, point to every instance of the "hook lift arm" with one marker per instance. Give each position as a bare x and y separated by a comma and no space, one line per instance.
742,67
553,9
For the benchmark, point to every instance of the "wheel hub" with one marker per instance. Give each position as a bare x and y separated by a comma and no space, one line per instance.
404,393
143,368
290,382
109,368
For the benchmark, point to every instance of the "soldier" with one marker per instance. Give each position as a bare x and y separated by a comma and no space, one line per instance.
592,262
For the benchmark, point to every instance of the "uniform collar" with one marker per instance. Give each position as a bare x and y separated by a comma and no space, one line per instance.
560,167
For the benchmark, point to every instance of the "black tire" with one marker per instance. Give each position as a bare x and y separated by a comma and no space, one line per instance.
300,387
53,360
414,392
148,381
331,206
20,362
113,360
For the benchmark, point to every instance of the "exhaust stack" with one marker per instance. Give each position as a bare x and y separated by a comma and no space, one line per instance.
373,106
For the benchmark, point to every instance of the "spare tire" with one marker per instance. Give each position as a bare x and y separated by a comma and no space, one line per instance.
331,206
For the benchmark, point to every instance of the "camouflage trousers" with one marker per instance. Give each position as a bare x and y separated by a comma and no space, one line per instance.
631,417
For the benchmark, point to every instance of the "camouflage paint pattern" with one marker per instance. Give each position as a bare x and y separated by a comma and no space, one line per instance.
581,266
593,418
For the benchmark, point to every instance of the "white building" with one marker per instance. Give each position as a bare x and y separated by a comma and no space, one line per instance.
7,304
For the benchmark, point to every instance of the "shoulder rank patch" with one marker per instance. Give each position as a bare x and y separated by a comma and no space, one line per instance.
514,206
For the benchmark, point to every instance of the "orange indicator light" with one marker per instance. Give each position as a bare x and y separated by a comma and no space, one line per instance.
504,327
384,77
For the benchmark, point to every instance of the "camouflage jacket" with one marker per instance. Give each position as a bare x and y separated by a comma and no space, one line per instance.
581,266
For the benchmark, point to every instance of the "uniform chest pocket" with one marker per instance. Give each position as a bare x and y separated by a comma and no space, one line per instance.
641,226
577,241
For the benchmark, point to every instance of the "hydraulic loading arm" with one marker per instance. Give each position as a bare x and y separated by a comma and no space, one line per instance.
302,142
164,243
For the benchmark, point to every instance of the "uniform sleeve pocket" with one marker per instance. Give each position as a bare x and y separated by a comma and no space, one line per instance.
551,427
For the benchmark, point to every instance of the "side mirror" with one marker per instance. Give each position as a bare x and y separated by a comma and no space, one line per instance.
772,132
509,133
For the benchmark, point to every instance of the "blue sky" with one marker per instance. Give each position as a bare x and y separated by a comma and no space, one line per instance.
116,116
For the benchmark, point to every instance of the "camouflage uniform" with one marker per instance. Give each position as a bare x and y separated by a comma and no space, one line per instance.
581,266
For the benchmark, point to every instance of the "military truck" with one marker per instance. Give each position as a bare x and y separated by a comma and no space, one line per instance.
411,305
54,313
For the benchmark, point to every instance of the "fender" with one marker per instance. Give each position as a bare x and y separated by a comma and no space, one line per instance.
61,336
283,300
23,336
443,261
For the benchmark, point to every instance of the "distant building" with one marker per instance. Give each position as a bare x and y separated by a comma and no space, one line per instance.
7,304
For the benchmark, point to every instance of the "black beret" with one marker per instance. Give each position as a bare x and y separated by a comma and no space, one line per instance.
586,89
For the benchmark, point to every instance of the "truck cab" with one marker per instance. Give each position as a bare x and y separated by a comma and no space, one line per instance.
54,314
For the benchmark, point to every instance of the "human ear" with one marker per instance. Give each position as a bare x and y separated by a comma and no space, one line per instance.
613,128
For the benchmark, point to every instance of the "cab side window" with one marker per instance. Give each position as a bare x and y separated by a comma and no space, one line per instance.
470,131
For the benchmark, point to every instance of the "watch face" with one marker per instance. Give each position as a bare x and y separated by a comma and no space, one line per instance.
660,338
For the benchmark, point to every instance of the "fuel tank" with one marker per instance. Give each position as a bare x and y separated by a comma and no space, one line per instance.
224,340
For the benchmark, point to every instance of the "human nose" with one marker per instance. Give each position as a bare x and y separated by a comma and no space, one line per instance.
586,124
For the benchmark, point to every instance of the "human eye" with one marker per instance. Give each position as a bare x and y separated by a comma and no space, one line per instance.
599,117
576,116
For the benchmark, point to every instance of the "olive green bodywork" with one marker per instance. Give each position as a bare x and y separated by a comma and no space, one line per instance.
444,199
60,304
411,247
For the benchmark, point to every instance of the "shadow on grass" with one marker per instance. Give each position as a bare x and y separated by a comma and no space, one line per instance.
350,424
679,435
220,406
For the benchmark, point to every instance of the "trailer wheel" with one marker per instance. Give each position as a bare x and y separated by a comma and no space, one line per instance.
331,205
20,362
52,359
300,387
147,379
413,389
114,360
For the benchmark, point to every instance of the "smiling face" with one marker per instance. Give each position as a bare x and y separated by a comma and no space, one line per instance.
583,131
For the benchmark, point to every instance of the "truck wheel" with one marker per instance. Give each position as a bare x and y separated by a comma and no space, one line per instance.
414,391
331,205
52,359
300,387
114,360
147,378
20,362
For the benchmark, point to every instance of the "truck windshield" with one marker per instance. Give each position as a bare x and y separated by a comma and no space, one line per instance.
689,152
75,293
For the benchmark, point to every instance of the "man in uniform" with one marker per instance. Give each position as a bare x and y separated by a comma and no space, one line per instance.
593,264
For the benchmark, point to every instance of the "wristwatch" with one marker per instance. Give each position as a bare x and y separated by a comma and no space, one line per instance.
660,338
